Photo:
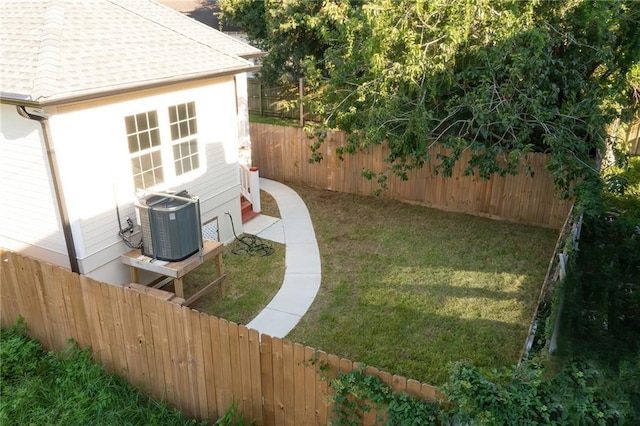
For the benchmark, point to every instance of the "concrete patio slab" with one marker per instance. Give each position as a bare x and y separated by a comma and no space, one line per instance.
265,227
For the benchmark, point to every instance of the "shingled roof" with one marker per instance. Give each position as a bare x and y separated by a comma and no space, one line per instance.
56,51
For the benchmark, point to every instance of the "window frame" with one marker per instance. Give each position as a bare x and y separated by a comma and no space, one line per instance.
183,124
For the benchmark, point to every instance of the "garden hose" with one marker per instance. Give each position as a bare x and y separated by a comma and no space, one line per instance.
251,244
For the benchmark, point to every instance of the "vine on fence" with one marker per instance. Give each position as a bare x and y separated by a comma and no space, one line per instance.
521,395
356,393
526,396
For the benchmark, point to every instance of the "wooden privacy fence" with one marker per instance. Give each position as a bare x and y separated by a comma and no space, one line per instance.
282,153
266,100
556,272
632,137
194,361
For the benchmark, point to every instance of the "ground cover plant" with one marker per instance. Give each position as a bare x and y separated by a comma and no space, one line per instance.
410,289
39,387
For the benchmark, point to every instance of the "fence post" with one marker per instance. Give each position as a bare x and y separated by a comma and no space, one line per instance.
260,94
300,96
254,187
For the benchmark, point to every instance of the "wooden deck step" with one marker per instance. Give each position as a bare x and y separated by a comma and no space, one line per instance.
247,210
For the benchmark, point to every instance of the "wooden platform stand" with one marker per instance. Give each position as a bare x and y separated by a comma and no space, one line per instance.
177,270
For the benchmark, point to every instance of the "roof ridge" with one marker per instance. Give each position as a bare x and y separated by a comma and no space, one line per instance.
48,59
220,32
125,5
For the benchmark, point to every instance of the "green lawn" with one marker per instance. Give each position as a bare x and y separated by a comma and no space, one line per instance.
252,281
405,288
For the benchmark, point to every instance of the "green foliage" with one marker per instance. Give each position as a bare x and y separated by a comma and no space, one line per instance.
602,309
622,189
248,15
357,392
233,417
496,79
40,387
290,32
519,396
605,284
523,396
19,355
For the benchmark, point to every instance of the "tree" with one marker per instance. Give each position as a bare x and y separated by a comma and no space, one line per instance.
499,79
290,32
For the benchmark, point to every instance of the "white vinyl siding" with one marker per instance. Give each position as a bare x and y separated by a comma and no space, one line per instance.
93,149
29,219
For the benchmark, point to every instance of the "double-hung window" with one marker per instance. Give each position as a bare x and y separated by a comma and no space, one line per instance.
143,135
184,140
163,144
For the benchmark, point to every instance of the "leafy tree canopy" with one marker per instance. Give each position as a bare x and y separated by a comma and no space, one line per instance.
499,79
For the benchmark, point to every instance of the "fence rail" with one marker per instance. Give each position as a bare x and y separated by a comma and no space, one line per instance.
283,153
194,361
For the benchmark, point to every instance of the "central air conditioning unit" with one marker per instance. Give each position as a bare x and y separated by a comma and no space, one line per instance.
170,223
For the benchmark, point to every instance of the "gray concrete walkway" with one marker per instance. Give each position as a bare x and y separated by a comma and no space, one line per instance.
302,260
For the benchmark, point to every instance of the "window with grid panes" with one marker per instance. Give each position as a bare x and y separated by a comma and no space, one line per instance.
143,135
159,138
182,119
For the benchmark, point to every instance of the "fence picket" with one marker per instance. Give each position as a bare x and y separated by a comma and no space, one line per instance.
28,299
322,388
236,366
152,346
217,367
10,303
310,386
289,388
299,383
73,292
224,354
134,338
267,380
115,327
278,380
167,334
255,376
245,370
198,366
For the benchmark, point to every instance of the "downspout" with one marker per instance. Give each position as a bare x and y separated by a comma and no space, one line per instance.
57,185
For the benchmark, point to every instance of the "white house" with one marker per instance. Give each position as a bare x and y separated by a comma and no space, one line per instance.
101,99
